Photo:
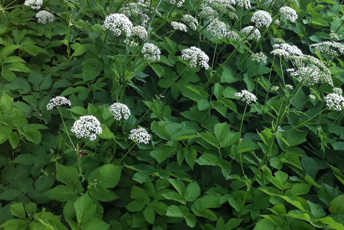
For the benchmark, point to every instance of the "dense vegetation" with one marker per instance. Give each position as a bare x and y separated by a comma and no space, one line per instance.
171,114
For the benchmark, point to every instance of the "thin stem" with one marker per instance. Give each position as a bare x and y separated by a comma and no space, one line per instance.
64,125
68,33
240,140
126,154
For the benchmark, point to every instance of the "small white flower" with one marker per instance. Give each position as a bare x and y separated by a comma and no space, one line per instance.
334,35
208,12
57,102
196,57
291,49
259,57
261,18
179,3
119,111
87,127
44,16
151,52
274,88
244,3
130,43
328,49
251,32
337,90
280,52
118,23
140,135
190,21
218,28
288,13
246,96
335,101
290,87
141,32
34,4
311,97
179,26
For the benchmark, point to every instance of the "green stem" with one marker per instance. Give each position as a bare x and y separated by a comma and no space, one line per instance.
64,125
126,154
239,150
68,33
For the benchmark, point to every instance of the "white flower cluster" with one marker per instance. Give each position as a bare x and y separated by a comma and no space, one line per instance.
137,11
140,135
251,32
321,72
279,40
44,17
274,88
288,13
208,12
261,18
312,97
290,87
334,35
218,28
246,96
335,101
244,3
34,4
129,42
179,26
141,32
196,57
57,102
179,3
223,6
87,127
190,21
328,49
151,52
118,23
286,50
119,111
259,57
337,90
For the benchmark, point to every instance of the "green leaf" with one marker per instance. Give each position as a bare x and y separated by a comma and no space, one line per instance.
300,189
337,205
265,224
61,193
69,176
192,192
193,92
227,76
102,194
17,210
174,196
149,214
210,138
106,176
85,208
25,159
78,49
177,211
5,132
15,224
95,224
158,69
209,159
162,154
295,137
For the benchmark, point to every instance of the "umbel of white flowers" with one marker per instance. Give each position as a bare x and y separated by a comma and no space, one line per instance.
288,13
34,4
57,102
44,17
196,57
119,111
261,18
87,127
246,96
335,101
140,135
118,24
151,52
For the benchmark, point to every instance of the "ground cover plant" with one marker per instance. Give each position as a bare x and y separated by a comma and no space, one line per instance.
171,114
